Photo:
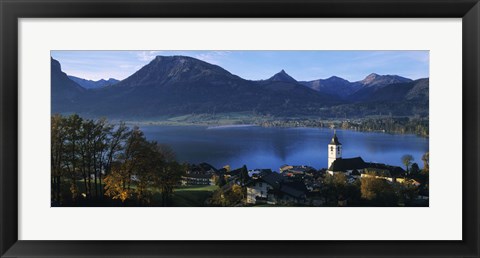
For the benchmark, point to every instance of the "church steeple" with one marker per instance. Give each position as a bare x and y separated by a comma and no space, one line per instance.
334,140
334,149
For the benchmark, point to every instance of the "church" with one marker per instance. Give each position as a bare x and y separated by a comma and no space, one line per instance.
357,166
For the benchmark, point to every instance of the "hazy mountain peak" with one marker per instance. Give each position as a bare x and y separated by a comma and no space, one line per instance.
370,78
91,84
374,79
173,70
335,78
282,76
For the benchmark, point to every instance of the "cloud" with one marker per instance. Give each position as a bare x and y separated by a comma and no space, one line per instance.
126,66
147,55
213,57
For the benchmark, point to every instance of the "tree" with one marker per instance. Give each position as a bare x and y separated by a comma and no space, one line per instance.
408,192
115,143
221,180
132,154
144,172
73,126
425,159
137,168
424,175
101,132
114,184
378,192
369,187
244,177
353,193
407,161
234,196
87,149
168,175
334,186
414,169
129,164
165,151
58,138
228,197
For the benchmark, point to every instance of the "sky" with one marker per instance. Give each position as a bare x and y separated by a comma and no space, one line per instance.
303,65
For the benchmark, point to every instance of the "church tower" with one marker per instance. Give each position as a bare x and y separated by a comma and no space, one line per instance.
334,150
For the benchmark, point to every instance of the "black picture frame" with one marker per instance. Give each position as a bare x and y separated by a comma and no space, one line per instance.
12,10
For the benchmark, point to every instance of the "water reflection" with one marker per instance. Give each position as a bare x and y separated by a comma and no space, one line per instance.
259,147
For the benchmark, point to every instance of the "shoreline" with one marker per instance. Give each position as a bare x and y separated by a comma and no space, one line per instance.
372,124
211,126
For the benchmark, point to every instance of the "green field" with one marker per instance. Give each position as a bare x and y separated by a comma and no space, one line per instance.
187,196
192,196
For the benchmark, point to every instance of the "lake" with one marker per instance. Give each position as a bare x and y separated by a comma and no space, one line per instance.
260,147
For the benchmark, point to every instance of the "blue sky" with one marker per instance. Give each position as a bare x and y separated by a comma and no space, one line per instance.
255,65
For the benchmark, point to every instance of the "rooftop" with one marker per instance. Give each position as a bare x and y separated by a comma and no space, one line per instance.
341,164
334,140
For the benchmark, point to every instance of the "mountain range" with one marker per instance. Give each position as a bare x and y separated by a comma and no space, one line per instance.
90,84
180,85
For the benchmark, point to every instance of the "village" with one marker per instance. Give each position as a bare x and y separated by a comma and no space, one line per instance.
345,182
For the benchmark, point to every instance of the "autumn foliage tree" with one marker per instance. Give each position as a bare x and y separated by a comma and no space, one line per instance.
378,192
227,197
96,159
426,162
148,166
407,161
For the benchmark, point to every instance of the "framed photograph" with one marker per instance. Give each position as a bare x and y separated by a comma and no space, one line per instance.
225,128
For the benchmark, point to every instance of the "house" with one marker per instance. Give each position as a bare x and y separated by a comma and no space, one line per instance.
296,170
199,174
257,188
273,188
408,181
197,179
386,172
256,172
285,168
288,193
239,175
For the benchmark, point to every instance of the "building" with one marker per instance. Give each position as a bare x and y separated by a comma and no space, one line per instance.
334,150
285,168
387,172
201,174
197,179
257,191
357,167
273,188
351,166
258,171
